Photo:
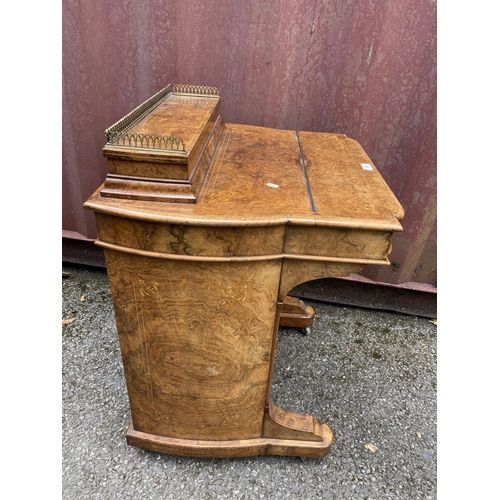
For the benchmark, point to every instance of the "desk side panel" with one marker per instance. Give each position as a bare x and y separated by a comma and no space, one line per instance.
196,340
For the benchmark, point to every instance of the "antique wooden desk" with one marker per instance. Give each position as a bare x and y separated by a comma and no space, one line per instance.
206,227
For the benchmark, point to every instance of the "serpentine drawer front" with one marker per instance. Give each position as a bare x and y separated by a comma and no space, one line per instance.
206,227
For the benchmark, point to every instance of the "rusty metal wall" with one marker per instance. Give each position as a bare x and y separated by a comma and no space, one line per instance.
365,68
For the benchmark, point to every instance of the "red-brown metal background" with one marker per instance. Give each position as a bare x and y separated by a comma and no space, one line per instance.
365,68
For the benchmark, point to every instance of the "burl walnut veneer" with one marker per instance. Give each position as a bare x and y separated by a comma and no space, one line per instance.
206,227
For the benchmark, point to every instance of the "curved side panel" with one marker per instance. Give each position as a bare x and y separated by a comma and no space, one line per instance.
196,340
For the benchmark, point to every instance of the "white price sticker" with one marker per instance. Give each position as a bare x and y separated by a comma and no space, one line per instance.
366,166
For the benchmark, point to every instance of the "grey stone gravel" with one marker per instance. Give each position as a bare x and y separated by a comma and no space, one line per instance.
370,375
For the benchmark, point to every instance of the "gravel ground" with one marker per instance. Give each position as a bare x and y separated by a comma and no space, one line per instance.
370,375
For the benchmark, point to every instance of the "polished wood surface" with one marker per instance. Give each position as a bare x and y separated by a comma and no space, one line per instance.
200,284
196,342
257,178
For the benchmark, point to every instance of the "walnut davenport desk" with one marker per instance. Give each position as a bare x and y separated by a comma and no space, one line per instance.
206,227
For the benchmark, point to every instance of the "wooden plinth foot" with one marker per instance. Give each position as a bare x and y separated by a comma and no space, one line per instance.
296,314
290,435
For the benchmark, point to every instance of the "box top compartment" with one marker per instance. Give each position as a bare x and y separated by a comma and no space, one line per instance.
162,149
170,123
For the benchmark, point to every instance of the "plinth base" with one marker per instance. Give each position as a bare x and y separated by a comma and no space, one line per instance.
236,448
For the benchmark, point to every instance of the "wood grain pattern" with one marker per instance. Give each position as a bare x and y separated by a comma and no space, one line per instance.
128,168
146,190
346,243
192,240
196,354
200,280
182,116
357,191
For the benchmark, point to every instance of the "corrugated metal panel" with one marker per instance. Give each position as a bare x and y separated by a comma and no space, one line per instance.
366,68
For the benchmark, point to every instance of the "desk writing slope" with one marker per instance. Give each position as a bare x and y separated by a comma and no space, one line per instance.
206,227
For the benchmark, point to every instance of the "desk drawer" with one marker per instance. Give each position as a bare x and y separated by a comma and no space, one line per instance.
337,242
210,241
